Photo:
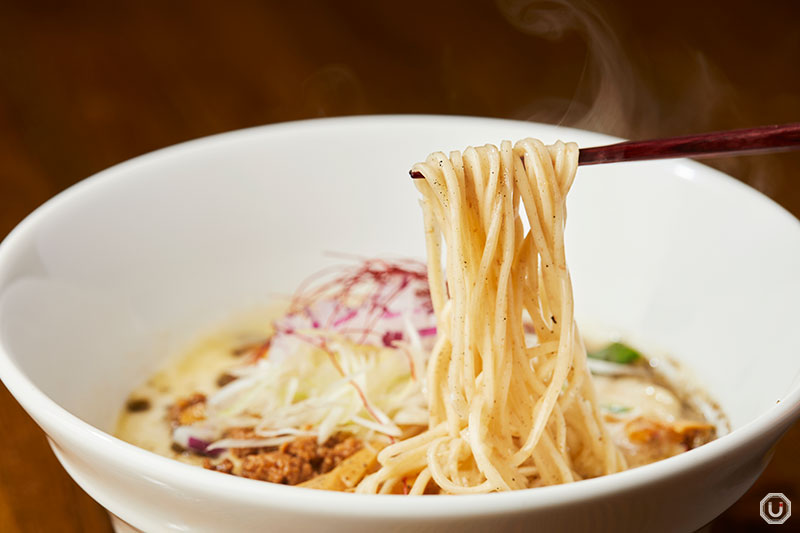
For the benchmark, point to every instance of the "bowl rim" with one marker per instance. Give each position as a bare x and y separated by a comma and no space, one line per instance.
94,442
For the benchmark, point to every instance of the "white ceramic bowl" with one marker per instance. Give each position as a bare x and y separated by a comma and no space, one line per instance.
104,280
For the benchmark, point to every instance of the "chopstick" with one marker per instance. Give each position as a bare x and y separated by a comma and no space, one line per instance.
776,138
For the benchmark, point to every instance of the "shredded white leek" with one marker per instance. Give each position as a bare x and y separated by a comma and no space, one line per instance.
307,390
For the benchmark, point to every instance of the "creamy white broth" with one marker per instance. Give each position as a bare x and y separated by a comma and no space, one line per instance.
622,398
196,370
296,393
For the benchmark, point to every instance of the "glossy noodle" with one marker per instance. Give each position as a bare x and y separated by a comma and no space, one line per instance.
506,411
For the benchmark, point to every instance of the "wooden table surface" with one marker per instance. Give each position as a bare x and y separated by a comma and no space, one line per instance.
86,86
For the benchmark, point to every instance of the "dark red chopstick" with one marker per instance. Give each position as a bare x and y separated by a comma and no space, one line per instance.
745,141
775,138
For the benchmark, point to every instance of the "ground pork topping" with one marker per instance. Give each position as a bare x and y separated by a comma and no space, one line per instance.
291,463
186,411
277,467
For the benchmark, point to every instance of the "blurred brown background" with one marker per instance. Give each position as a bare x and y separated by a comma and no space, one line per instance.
85,85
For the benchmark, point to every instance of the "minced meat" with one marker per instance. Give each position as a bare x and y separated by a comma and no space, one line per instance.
277,467
291,463
187,410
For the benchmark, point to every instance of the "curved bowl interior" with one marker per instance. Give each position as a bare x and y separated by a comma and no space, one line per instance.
110,277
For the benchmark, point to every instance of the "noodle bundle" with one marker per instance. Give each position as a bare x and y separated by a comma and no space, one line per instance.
507,410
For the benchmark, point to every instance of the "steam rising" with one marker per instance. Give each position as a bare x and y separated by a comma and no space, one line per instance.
614,94
601,73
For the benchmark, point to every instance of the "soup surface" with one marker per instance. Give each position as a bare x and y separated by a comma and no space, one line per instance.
310,397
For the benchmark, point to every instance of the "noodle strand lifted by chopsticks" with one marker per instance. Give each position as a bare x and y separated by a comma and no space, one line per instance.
503,415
